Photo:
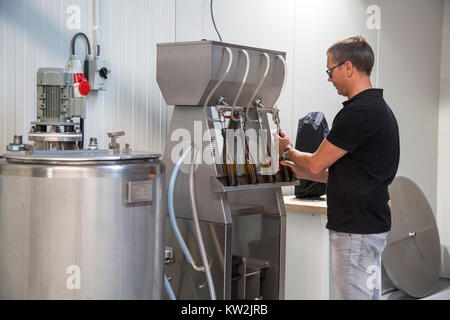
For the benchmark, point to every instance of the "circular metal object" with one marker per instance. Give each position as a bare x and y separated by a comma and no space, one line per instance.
14,147
75,156
55,136
61,123
412,257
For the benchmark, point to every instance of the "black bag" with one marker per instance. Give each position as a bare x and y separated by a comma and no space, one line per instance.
311,131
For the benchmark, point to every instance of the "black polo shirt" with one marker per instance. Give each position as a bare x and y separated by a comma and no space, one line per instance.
357,187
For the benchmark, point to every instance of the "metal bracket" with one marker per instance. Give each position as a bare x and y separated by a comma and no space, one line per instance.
217,186
113,145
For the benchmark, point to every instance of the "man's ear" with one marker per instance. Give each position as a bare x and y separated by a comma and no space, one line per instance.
350,68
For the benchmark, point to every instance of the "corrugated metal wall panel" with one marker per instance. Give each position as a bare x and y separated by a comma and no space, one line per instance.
10,58
133,100
2,74
33,34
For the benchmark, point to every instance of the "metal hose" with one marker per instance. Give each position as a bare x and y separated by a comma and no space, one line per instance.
275,106
244,79
258,87
230,61
86,39
173,221
168,288
201,244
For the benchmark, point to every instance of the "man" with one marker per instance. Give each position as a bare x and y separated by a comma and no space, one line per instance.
358,160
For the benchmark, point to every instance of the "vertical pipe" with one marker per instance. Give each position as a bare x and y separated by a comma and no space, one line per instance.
81,143
95,19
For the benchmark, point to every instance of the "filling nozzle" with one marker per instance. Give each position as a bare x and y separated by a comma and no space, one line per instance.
276,119
260,109
222,119
221,107
260,120
259,104
242,120
222,102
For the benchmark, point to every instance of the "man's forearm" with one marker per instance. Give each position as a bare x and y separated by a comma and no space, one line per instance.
302,173
303,160
320,177
306,168
315,166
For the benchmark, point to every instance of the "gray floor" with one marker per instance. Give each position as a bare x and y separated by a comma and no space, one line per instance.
441,292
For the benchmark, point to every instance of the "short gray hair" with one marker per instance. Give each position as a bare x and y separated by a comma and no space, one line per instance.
356,50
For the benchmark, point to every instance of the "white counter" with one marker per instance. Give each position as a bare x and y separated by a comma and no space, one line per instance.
307,250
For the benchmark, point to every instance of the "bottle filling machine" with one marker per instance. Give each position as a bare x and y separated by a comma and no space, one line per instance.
225,193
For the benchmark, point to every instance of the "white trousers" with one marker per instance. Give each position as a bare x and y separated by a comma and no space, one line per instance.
355,262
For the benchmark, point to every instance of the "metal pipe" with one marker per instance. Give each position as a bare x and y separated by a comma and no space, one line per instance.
81,143
225,108
95,19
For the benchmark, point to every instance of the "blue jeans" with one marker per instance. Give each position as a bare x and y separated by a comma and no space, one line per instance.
355,262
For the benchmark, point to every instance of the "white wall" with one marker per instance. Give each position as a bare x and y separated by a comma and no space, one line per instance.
407,60
443,204
307,257
33,34
409,70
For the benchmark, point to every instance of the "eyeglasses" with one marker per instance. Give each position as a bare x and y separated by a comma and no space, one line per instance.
330,71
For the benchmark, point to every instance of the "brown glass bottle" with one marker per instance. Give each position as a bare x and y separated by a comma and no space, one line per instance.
286,172
230,165
250,168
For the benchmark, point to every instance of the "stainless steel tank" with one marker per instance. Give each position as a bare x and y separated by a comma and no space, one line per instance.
81,225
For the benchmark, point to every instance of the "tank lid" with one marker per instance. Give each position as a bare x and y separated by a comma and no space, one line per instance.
76,156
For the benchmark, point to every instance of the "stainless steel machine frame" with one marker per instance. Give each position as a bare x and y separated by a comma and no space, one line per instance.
243,226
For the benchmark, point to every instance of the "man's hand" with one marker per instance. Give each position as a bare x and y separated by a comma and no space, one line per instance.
298,171
283,141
